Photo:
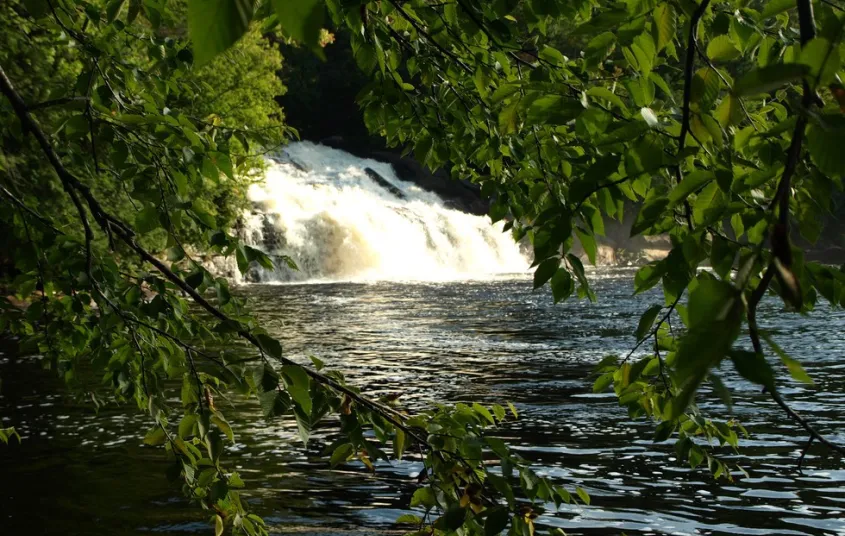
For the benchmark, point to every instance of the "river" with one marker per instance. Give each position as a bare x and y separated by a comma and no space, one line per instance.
489,340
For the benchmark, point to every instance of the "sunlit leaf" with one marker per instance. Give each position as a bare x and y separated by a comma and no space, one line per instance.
768,78
215,25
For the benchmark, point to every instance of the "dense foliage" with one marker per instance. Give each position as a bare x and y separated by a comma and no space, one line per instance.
720,120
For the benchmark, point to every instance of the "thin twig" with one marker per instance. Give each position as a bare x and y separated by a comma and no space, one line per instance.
689,66
804,452
56,102
709,63
41,219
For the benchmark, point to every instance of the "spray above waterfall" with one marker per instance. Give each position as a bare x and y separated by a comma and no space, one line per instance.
346,218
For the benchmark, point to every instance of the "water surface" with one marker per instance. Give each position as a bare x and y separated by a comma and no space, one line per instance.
489,341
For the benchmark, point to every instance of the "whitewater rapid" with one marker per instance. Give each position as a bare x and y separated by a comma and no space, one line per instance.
318,205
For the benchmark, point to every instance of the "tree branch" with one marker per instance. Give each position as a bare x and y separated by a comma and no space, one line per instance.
413,22
55,102
41,219
689,66
109,223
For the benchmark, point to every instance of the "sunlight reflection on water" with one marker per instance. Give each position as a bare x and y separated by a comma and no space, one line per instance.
490,341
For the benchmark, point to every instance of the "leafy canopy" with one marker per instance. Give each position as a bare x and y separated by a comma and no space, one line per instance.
719,121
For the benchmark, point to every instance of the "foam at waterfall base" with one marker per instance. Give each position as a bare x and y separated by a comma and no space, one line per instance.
319,206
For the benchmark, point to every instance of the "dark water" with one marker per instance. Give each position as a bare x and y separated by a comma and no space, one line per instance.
78,473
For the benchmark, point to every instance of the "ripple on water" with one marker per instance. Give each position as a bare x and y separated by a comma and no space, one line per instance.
490,341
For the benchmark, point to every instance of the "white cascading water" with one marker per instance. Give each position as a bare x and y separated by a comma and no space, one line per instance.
318,206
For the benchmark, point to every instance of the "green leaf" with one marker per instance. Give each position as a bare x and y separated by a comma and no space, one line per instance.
214,444
792,365
583,283
721,391
147,220
609,96
274,403
113,9
822,59
513,410
134,9
223,163
175,254
582,493
645,51
223,426
186,425
218,525
265,378
729,112
484,412
710,300
708,198
714,318
648,276
545,271
509,118
562,285
318,363
399,444
502,485
696,456
423,497
408,519
453,519
754,368
552,55
603,382
692,182
664,25
271,346
298,385
646,321
77,126
37,8
235,481
599,47
664,431
650,213
497,521
342,454
302,20
775,7
705,89
155,437
824,141
722,256
588,242
645,155
721,48
553,110
215,25
661,83
768,78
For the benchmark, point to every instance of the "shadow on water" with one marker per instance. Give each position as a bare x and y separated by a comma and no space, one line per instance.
491,341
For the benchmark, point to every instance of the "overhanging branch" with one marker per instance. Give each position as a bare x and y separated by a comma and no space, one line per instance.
110,224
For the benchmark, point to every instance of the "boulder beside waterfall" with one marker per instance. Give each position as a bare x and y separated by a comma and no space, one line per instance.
459,194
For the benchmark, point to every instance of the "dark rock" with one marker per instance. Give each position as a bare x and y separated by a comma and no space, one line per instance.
458,194
384,183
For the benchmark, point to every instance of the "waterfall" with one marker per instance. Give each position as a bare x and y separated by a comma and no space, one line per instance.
340,221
